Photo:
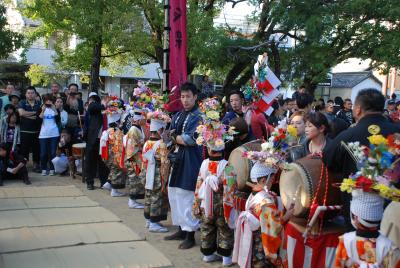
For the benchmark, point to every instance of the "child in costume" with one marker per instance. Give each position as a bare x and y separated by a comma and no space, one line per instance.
111,147
216,236
366,247
133,142
155,157
259,229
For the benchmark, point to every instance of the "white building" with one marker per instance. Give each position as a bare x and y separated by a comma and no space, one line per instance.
42,53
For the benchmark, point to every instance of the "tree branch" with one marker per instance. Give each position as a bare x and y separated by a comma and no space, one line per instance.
235,2
116,53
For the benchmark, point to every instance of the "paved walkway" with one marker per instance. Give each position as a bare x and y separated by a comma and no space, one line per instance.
58,226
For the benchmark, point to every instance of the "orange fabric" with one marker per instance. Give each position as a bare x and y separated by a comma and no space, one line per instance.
212,167
366,252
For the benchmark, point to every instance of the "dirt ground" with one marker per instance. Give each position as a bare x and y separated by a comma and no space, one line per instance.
131,217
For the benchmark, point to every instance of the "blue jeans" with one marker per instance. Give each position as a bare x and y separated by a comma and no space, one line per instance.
48,148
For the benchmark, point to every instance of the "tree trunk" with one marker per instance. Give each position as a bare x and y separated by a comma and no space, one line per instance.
233,73
310,85
94,84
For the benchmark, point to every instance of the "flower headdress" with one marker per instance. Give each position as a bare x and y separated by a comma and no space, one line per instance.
114,106
274,151
213,133
379,167
142,97
158,120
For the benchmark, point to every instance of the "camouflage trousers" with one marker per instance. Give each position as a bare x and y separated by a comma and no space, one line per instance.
258,259
117,177
214,231
135,182
156,200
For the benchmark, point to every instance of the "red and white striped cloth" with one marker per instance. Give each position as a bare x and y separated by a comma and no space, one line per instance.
317,252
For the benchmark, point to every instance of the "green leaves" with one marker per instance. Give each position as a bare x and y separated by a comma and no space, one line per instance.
9,40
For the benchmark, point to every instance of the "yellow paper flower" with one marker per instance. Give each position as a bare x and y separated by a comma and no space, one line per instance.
212,115
347,185
219,142
200,140
200,129
292,130
377,139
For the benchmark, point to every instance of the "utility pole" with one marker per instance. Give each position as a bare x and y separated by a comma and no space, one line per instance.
167,29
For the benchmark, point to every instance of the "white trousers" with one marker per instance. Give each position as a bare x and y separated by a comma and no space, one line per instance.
181,202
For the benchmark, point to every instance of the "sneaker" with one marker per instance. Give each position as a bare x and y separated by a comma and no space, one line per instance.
157,228
44,173
116,193
147,224
133,204
106,186
52,173
211,258
226,261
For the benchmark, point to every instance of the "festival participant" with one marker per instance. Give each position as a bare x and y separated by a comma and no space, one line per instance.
29,110
5,99
395,116
366,246
298,122
11,133
241,137
142,103
185,161
216,236
12,165
368,113
111,144
74,108
303,102
64,158
49,135
259,229
133,143
236,100
346,113
317,127
92,134
155,156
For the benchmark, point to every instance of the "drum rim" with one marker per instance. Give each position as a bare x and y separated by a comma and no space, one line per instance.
307,186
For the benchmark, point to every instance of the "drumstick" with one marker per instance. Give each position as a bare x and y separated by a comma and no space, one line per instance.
80,122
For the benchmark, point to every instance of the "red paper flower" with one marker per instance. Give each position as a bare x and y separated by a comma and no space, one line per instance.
364,183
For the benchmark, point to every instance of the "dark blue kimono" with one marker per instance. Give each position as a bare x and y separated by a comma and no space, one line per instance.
188,159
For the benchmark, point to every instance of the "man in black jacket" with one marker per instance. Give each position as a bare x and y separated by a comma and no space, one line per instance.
93,130
368,113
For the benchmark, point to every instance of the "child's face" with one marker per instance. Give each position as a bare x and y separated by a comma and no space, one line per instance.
13,119
9,111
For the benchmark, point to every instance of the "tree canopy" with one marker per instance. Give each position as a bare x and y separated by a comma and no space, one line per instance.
9,40
120,32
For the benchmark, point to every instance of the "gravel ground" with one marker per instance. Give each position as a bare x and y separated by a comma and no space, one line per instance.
131,217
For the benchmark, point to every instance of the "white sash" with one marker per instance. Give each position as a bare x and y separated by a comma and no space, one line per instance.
151,165
383,246
246,224
210,185
103,140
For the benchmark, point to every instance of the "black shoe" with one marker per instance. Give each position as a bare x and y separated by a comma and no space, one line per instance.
27,182
90,187
179,235
187,243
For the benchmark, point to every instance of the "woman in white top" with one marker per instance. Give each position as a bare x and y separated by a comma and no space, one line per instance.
63,114
49,135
